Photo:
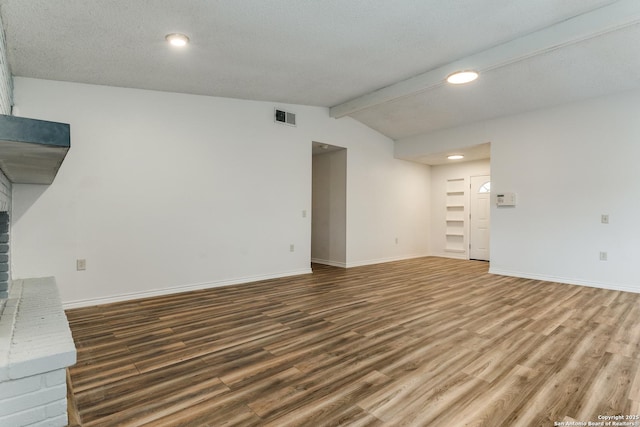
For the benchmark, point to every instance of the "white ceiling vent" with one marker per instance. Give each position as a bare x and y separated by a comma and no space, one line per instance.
285,117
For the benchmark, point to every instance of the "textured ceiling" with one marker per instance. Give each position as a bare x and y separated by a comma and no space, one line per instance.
471,153
579,71
330,52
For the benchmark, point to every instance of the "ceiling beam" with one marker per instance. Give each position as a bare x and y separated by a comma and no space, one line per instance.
600,21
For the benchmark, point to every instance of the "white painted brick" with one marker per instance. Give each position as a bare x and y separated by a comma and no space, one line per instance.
52,422
57,408
23,418
5,346
33,399
35,348
11,389
44,364
54,414
6,327
6,83
4,369
41,340
55,378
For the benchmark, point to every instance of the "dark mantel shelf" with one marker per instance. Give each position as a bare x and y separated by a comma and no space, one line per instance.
31,151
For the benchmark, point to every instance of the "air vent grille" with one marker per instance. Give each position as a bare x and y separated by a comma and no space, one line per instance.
285,117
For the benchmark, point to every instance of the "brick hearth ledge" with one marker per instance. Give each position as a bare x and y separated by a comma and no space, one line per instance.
36,347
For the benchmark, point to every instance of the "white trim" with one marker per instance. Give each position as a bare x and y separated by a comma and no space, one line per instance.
383,260
568,281
329,262
177,289
452,255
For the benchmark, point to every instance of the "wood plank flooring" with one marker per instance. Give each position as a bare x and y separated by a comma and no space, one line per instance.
424,342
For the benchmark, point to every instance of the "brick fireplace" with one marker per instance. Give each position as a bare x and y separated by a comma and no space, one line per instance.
36,346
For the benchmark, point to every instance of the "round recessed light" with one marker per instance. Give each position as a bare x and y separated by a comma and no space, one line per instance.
461,77
455,157
177,39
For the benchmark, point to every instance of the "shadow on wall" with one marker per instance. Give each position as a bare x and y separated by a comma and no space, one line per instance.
29,195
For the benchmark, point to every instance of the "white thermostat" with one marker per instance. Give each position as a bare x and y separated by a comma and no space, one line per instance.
506,199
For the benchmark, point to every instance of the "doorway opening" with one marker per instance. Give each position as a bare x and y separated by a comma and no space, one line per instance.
329,205
479,217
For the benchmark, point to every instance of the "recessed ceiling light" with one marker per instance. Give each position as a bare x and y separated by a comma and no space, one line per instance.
461,77
455,157
177,39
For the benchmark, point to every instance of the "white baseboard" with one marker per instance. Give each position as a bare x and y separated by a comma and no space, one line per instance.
452,255
329,262
566,280
383,260
177,289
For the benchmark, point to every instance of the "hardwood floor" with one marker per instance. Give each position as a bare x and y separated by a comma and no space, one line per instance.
424,342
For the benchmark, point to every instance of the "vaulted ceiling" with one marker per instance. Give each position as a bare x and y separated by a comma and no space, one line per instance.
381,62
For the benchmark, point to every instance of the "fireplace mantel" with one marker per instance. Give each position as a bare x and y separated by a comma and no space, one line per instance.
32,151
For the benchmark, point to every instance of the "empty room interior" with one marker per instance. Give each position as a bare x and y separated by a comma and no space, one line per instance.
286,213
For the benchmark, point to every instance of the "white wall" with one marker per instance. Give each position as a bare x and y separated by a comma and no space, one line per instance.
329,209
439,176
164,191
568,165
387,199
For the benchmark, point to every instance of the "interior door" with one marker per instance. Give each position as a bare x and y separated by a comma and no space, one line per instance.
479,217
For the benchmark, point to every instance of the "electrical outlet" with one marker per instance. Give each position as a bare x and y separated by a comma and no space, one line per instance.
603,256
396,240
292,248
81,264
604,218
304,213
